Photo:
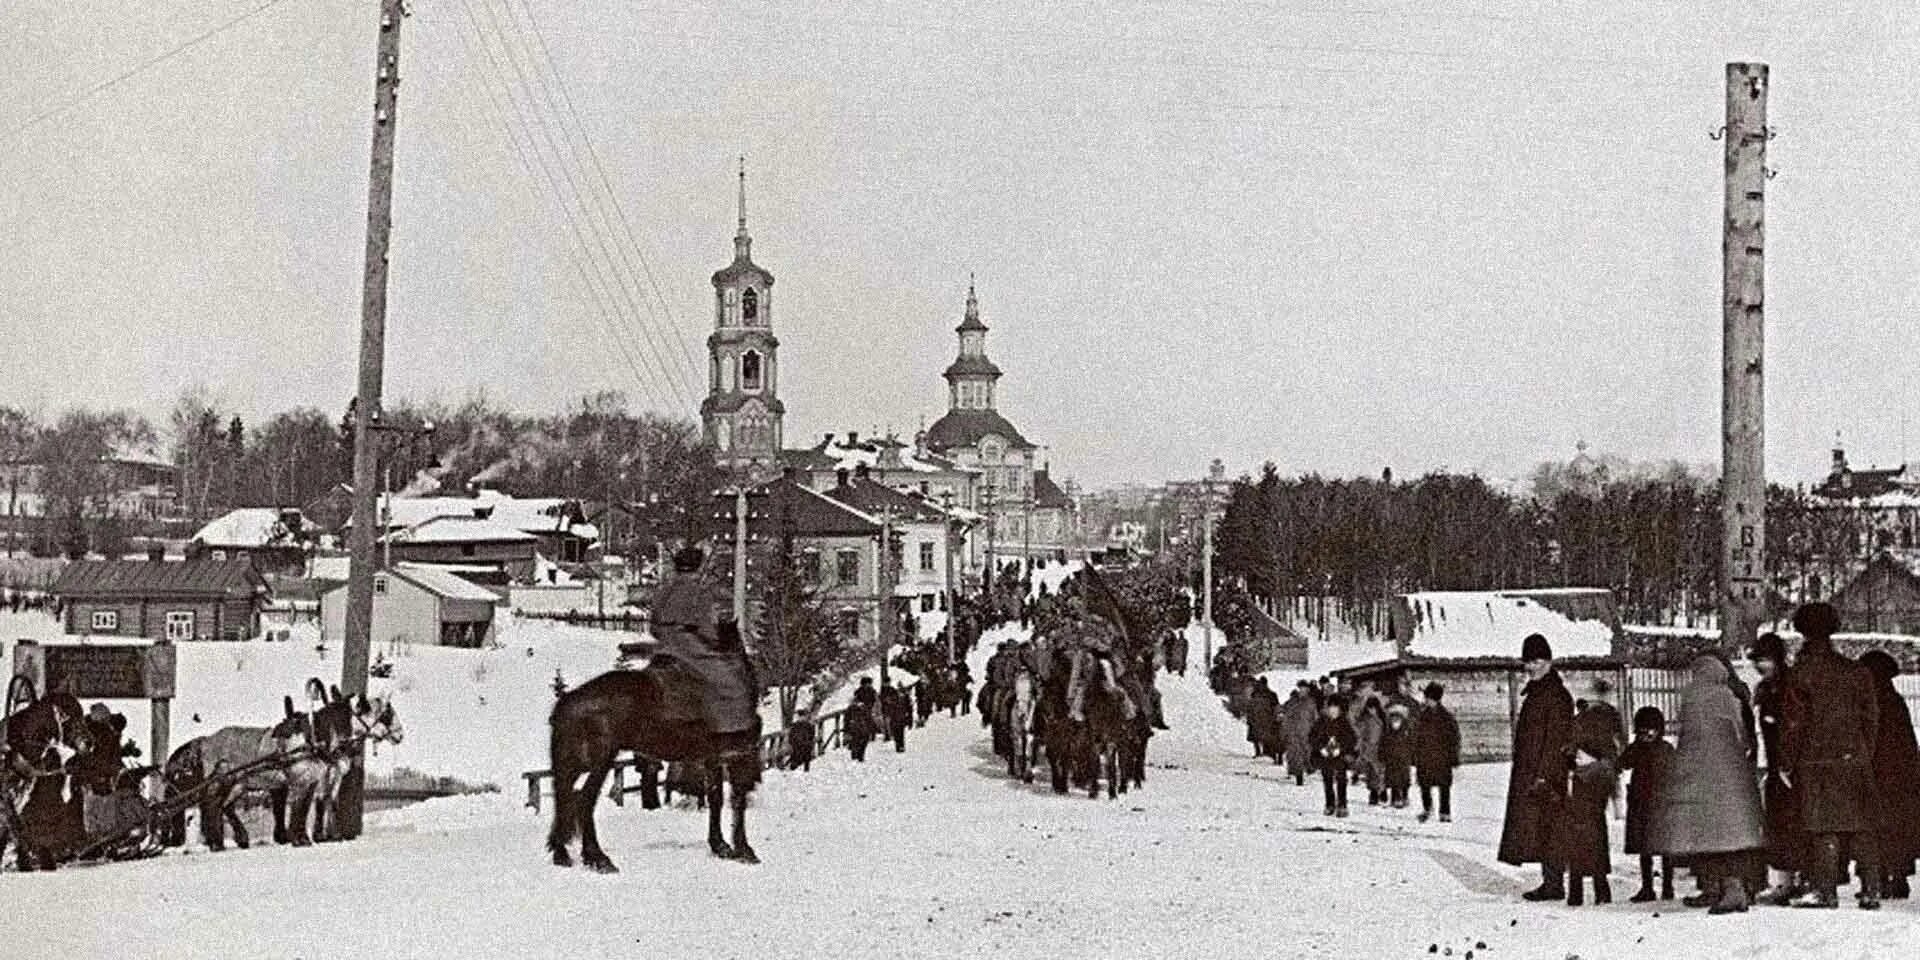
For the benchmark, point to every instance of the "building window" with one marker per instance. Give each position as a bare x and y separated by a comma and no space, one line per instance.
726,373
750,369
220,555
927,602
847,566
926,557
180,625
850,623
808,566
750,304
379,586
106,621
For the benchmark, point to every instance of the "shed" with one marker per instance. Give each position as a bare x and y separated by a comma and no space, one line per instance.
202,599
1469,642
418,603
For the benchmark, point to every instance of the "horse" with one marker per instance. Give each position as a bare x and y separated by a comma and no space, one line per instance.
629,710
284,764
1019,721
41,742
1105,737
340,726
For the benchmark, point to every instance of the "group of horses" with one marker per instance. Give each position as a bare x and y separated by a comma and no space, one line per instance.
1030,719
297,765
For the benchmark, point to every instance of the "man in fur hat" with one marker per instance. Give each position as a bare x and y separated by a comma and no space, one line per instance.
1832,725
1537,790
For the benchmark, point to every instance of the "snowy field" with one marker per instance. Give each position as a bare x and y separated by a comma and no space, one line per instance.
933,853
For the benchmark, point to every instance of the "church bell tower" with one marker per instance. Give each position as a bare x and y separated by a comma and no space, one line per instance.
742,413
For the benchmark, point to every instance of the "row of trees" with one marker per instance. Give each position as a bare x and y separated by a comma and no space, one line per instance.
72,470
1652,534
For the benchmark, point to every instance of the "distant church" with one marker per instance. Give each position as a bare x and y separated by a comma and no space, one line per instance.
742,415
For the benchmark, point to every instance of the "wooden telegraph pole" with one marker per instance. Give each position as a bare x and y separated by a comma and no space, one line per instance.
373,338
1743,484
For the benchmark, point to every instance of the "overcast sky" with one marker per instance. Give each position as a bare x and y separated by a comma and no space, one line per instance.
1337,234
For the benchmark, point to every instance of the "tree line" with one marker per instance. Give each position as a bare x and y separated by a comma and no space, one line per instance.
66,474
1651,533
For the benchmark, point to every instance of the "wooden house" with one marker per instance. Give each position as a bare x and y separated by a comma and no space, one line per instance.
203,599
1884,598
274,538
418,603
1469,642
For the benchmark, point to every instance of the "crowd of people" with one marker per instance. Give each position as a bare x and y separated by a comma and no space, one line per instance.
1779,795
1387,741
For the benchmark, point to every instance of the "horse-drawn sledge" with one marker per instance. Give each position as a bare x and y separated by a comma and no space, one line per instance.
70,792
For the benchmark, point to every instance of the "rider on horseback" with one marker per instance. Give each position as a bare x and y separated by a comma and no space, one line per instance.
709,652
1091,655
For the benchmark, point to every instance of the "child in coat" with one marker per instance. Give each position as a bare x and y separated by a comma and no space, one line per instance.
1648,757
1594,750
1396,756
1436,751
1333,743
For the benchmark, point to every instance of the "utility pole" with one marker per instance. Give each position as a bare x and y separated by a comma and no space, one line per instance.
883,578
740,560
355,646
1743,488
953,610
1206,584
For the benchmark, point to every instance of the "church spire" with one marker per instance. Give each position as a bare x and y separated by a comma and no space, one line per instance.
971,320
742,242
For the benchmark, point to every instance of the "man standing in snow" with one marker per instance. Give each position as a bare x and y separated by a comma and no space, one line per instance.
1832,725
859,719
1537,788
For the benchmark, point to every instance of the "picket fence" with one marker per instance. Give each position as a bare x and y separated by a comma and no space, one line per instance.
1661,688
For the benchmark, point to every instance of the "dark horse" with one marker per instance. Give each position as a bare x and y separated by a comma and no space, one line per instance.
628,710
41,742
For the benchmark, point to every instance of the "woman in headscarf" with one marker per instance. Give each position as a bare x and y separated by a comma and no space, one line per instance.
1710,809
1896,779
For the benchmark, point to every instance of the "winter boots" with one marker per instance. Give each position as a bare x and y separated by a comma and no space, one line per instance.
1733,898
1576,891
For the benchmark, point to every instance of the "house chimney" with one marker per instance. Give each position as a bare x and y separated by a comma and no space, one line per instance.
827,442
853,438
840,475
860,470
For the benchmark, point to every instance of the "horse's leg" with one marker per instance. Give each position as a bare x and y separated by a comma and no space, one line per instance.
229,811
277,797
590,853
740,787
649,785
300,790
714,794
564,822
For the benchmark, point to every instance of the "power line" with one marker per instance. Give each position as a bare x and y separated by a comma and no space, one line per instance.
569,196
579,198
143,66
531,158
619,208
580,133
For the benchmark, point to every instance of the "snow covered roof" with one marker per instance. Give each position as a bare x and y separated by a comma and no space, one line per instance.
1491,624
528,514
456,529
849,452
444,582
250,527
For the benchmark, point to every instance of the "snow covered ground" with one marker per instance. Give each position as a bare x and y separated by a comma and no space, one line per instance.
933,853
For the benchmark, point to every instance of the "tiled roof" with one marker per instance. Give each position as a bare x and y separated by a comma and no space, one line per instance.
971,366
1047,494
872,499
231,579
785,505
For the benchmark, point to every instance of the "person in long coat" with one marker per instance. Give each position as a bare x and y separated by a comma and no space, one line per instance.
1649,757
1369,725
1896,778
1709,808
1263,709
1832,725
1436,751
1786,855
1296,722
859,719
1537,785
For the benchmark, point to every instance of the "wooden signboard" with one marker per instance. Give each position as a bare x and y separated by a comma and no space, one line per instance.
93,671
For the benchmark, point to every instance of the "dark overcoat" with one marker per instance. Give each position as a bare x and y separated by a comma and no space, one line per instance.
1263,713
1649,762
1297,719
1396,754
1582,834
1896,776
1537,786
1777,797
1436,746
1832,724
